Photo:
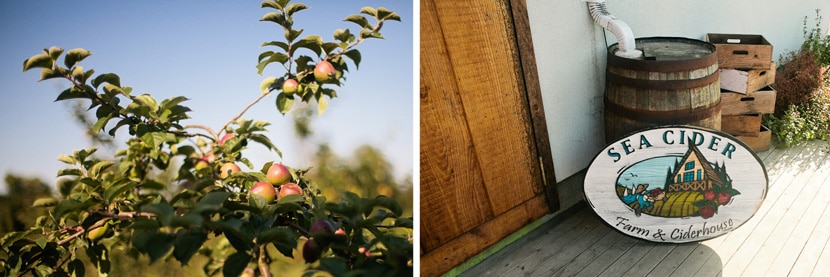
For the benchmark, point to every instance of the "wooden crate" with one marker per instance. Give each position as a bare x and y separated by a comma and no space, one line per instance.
758,102
742,51
741,124
758,143
744,81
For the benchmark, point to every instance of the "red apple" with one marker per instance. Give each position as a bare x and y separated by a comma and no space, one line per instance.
265,190
324,72
225,138
278,174
227,169
289,86
321,226
289,189
723,198
709,194
707,211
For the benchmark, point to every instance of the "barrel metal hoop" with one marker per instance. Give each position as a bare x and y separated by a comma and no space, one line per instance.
612,78
684,116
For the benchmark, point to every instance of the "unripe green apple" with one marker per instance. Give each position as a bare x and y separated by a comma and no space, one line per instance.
264,189
97,233
278,174
324,72
290,189
289,86
227,169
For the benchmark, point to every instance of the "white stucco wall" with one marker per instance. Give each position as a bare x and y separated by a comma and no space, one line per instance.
570,51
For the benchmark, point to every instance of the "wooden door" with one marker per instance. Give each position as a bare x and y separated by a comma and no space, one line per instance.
486,167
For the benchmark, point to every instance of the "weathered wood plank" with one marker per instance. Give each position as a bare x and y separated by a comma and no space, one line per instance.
542,252
785,228
797,243
456,251
650,260
587,256
492,97
608,257
744,242
564,255
527,246
452,187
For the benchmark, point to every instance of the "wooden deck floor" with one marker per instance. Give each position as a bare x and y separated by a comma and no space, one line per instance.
788,236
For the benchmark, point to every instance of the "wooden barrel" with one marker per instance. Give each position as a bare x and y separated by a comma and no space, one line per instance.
675,83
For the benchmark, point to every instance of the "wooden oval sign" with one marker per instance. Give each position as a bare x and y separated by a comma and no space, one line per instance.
676,184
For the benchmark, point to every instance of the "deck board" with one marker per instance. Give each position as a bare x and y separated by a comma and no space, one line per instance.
788,236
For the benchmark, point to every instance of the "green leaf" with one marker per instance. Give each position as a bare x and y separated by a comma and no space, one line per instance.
265,86
293,8
169,103
329,47
236,263
279,44
354,55
275,57
117,189
284,103
111,78
186,245
163,211
145,100
49,73
311,42
211,202
291,34
369,11
54,52
96,169
385,14
322,104
67,206
274,17
271,4
159,245
38,61
73,93
67,159
388,203
45,202
359,20
75,56
69,172
342,35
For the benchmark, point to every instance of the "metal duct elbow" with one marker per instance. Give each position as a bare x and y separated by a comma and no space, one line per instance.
625,38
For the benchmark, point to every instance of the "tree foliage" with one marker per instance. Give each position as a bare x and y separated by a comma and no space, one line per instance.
123,202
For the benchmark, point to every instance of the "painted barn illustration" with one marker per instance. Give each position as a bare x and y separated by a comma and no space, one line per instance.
694,173
693,187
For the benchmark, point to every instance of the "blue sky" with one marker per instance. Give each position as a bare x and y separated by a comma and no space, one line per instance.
206,51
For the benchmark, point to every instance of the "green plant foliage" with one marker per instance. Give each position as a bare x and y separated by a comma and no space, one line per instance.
816,41
125,199
802,107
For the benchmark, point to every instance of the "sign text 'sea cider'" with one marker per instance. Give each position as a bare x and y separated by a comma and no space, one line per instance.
676,184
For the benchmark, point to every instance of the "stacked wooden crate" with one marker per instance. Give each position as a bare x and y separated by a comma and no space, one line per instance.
747,71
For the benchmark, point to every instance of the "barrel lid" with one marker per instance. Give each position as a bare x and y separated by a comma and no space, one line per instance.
666,54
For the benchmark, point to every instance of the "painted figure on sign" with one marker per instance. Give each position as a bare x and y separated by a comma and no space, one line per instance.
641,201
